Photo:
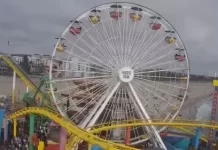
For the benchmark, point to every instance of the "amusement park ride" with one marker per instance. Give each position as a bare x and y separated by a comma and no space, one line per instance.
127,90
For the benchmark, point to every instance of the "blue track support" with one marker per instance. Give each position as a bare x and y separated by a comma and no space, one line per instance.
96,147
2,111
6,130
197,138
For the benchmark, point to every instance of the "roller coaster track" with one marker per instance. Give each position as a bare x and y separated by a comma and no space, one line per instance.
73,141
70,127
156,122
78,134
183,125
24,77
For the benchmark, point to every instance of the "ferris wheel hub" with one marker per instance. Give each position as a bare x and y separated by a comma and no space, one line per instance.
126,74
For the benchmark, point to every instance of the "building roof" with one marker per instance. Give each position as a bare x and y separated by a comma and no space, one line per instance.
21,55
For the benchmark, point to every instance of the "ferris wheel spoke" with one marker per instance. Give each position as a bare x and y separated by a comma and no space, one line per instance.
92,66
88,54
141,55
100,105
113,33
160,57
120,46
150,100
171,78
144,38
86,100
129,44
161,70
145,53
159,64
113,102
82,92
123,35
82,50
73,87
103,105
131,55
154,45
75,79
126,33
145,46
148,131
108,44
164,101
144,112
111,44
107,47
112,51
144,87
88,103
87,74
109,67
163,91
156,82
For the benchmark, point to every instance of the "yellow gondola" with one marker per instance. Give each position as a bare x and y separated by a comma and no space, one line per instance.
60,48
135,17
95,16
95,19
170,40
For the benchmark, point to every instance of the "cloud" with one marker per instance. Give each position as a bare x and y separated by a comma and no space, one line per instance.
31,26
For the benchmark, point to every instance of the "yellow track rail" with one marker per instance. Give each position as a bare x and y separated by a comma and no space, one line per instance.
186,123
78,134
183,125
23,77
71,128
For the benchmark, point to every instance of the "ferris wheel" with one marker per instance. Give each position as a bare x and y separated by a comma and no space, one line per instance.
120,61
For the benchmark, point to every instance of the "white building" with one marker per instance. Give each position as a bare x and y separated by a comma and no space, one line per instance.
46,60
18,59
76,68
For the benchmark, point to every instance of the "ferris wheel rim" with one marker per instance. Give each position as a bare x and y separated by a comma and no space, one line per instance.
185,50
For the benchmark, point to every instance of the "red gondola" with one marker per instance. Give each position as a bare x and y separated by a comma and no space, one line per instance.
75,31
116,14
75,28
179,56
155,26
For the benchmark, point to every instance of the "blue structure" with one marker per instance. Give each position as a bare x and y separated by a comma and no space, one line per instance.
183,144
197,138
96,147
6,130
2,111
176,143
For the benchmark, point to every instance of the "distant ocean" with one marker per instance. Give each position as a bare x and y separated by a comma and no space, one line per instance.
204,111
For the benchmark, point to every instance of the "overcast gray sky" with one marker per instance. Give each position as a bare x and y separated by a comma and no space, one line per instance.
32,25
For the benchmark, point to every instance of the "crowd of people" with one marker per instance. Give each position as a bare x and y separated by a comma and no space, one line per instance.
22,140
